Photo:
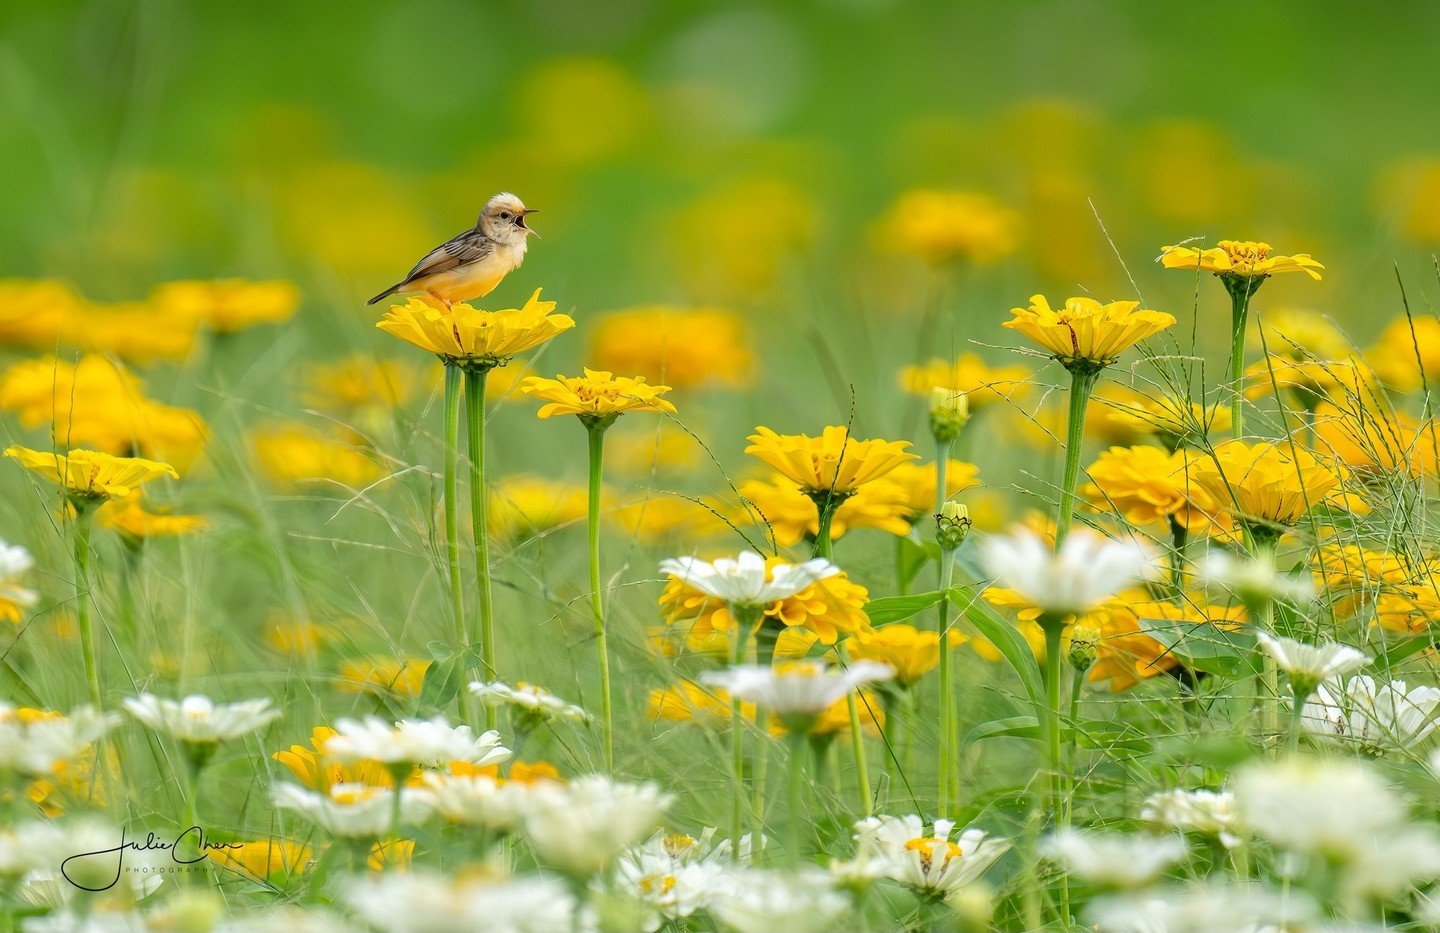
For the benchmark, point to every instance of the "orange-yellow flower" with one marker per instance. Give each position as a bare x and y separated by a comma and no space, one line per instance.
523,506
474,338
1084,331
829,608
1269,486
1239,258
227,305
384,677
919,481
33,312
596,396
1304,335
136,523
1123,415
293,455
832,463
943,226
1312,381
679,347
88,476
1373,441
983,385
1408,352
360,381
909,651
265,859
1146,485
791,515
658,519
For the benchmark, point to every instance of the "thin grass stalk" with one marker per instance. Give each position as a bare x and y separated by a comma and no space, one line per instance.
597,455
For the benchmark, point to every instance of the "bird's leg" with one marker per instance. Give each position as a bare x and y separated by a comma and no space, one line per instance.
436,295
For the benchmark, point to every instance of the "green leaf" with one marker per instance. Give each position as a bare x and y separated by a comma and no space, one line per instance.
1009,642
913,555
442,683
1401,650
889,609
1203,646
1024,727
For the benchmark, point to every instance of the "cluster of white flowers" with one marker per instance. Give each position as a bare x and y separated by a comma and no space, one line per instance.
1373,717
34,743
424,742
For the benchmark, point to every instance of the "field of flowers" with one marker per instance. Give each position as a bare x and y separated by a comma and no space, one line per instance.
967,524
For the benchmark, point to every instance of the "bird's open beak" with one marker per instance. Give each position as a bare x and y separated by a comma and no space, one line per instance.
520,219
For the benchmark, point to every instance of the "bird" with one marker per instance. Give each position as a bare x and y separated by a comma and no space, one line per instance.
471,264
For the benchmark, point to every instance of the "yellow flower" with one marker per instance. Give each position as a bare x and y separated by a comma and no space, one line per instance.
1303,335
383,677
136,331
1123,415
88,476
662,448
360,381
293,455
835,720
1146,485
918,482
943,226
1376,441
227,305
832,463
133,521
1409,608
265,859
1311,381
829,608
689,702
1086,331
1239,258
1266,486
659,519
791,515
471,337
524,506
1408,352
1352,566
721,252
32,312
911,652
982,384
295,637
391,855
596,396
679,347
310,767
1126,654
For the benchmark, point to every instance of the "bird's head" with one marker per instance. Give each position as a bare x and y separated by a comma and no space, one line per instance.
503,218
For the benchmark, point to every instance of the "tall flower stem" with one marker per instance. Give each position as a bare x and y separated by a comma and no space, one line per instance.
1240,289
452,496
826,502
84,518
746,618
475,379
1083,375
799,748
596,431
1179,535
857,740
947,687
1054,628
1297,717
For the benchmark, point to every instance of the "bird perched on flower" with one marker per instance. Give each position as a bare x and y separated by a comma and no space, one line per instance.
471,264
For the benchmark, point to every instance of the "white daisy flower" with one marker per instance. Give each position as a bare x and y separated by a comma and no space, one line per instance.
424,742
353,811
1393,863
931,863
1087,569
1372,716
584,826
1320,807
743,581
422,902
478,799
1308,665
1115,860
1206,812
530,699
1254,580
798,691
30,846
675,875
1203,909
768,901
197,720
15,562
32,743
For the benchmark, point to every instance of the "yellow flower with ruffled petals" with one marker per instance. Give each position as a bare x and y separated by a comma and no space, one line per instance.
910,652
293,456
829,608
984,385
227,305
1270,487
832,463
89,476
944,226
473,338
1240,258
678,346
597,396
791,515
1146,485
1084,331
135,522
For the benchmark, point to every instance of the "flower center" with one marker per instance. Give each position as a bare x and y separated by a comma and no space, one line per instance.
677,843
927,847
1244,255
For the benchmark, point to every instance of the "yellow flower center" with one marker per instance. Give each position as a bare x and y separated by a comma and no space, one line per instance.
927,846
1245,255
657,884
676,843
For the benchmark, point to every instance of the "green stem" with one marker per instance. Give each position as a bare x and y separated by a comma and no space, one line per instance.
796,787
1297,716
83,520
1054,628
825,505
1240,288
452,523
942,470
479,517
597,599
1082,383
902,588
1178,536
737,738
947,687
857,740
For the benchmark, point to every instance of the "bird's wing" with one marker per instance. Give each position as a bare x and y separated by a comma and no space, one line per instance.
470,246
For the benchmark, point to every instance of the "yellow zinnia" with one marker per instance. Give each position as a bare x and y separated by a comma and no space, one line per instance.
1084,331
983,385
1240,259
227,305
294,455
832,463
909,651
525,506
1146,485
944,226
919,482
677,346
89,476
1408,352
791,515
828,608
473,338
596,397
1122,415
1377,442
1269,487
135,523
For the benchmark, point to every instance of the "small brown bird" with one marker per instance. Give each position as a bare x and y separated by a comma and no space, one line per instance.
473,263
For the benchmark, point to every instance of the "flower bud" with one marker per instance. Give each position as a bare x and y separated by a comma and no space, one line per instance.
949,410
952,525
974,905
1084,643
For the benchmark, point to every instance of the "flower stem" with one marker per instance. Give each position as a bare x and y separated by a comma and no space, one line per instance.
1082,383
947,687
1240,288
744,619
1179,534
452,523
475,380
597,600
825,505
795,826
1054,629
83,520
1297,718
857,739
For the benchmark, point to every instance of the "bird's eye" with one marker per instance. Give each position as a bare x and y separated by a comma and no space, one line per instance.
504,215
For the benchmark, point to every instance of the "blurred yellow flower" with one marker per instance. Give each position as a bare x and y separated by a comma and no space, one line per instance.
360,381
1410,189
523,506
829,608
983,385
791,515
679,347
1240,259
383,677
292,455
1353,566
689,702
309,765
911,652
89,476
265,859
133,521
136,331
832,463
723,253
391,855
471,337
660,519
1373,441
945,226
1146,485
1267,486
295,637
1126,654
1411,607
661,448
1312,381
1086,331
1408,352
835,720
918,481
1303,335
227,305
1122,415
34,313
596,396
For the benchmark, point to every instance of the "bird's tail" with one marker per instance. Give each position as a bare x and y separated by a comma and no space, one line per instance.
386,293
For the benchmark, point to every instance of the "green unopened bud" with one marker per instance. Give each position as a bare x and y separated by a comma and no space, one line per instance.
952,525
974,905
949,410
1084,644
